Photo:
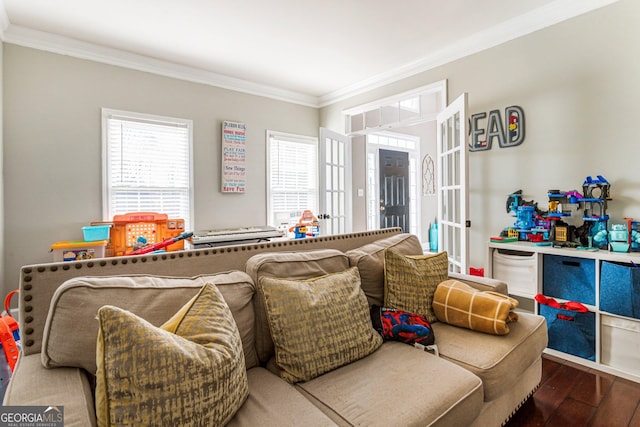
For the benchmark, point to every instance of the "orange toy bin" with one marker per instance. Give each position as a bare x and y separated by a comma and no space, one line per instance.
154,227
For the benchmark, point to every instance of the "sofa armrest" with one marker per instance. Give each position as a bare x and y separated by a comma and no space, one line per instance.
33,384
481,283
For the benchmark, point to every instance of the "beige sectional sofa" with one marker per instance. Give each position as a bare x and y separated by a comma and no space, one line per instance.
478,379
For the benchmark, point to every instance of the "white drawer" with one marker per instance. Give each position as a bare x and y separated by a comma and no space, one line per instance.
518,269
620,343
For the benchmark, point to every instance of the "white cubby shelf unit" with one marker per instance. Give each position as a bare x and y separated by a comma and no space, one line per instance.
607,283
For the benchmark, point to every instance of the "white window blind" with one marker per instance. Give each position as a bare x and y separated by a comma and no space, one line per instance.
292,174
146,165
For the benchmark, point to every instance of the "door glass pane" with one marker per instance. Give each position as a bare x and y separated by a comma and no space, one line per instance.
410,109
389,113
357,122
328,184
372,118
327,147
341,153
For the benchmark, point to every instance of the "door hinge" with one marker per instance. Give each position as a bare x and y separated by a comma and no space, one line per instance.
467,223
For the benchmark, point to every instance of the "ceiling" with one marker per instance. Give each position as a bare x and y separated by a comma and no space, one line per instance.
309,52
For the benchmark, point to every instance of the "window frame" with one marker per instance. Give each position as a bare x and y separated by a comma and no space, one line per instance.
303,139
107,114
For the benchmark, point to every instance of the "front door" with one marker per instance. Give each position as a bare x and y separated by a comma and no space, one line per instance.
394,189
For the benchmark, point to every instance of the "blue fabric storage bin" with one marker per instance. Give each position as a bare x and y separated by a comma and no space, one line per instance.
571,331
569,278
620,289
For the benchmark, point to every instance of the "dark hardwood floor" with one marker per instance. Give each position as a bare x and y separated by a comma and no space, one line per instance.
573,395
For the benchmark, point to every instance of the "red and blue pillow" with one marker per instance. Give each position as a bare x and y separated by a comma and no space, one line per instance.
402,326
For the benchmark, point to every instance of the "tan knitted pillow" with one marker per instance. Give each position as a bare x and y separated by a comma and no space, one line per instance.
191,371
461,305
411,280
318,325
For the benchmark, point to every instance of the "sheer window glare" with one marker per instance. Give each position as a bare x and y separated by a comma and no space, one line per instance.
292,175
146,165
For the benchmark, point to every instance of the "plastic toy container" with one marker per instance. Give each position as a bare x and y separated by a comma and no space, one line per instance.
93,233
78,250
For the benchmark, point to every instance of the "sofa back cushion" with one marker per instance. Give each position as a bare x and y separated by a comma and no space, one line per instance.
370,262
288,265
71,328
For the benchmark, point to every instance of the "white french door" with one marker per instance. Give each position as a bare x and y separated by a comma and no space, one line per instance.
453,176
335,183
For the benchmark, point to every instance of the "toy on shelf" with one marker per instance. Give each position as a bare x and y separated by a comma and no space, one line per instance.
530,223
153,227
535,225
307,226
619,238
633,227
160,246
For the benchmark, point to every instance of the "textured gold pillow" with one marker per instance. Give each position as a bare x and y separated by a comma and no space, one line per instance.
191,371
411,280
461,305
319,324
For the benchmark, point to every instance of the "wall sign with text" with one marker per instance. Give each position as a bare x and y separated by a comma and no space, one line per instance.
508,133
233,157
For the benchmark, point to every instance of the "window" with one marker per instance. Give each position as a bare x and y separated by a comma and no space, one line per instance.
146,165
292,177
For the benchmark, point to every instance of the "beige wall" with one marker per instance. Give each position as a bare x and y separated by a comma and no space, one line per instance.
52,145
577,82
579,87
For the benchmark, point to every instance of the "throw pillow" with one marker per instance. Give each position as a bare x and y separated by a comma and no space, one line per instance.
411,280
399,325
461,305
191,371
319,324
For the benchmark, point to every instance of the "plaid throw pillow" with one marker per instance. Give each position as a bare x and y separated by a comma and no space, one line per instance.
461,305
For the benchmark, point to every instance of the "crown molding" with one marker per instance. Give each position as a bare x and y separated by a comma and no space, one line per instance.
545,16
79,49
535,20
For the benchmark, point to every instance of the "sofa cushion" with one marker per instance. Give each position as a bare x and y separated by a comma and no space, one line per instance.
32,384
498,360
276,403
411,280
370,262
289,265
71,327
189,371
398,385
459,304
319,324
